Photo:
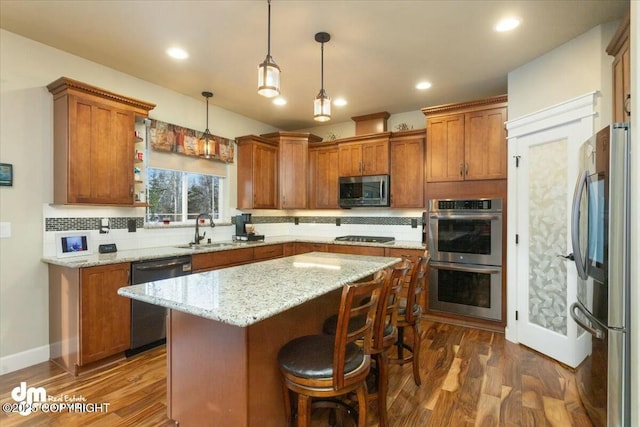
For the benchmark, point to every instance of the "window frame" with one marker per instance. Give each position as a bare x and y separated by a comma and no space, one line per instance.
184,202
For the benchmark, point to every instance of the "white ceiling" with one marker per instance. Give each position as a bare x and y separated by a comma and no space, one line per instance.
378,50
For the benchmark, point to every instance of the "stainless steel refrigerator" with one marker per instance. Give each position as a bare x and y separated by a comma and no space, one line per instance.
600,239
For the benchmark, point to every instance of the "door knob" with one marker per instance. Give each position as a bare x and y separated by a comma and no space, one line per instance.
570,256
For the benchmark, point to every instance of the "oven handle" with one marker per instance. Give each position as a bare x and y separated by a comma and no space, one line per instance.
466,267
493,217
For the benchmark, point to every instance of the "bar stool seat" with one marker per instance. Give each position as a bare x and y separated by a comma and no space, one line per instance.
332,367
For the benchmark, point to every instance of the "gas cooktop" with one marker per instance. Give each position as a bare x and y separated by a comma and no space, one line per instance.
367,239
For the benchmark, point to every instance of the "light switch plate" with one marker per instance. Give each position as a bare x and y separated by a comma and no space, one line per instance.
5,230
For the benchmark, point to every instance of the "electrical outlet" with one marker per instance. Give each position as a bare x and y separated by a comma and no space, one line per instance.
104,225
338,222
296,220
414,223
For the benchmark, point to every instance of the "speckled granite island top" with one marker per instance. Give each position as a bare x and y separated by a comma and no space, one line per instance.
247,294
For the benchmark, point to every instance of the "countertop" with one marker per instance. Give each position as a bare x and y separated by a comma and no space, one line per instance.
247,294
133,255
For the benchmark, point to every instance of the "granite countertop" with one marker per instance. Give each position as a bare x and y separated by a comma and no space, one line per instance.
247,294
132,255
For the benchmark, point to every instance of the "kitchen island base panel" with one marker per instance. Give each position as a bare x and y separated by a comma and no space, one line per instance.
203,354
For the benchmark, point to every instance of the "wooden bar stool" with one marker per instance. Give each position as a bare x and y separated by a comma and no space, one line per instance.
384,334
325,366
409,312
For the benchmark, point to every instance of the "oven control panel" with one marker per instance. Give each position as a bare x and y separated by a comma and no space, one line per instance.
493,205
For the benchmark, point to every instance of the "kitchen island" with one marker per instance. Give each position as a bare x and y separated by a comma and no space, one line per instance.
225,328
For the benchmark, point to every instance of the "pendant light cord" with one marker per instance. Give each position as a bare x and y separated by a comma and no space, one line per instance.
322,66
269,29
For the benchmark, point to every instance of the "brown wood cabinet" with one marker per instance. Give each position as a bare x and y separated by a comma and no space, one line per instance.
304,247
273,170
257,173
619,48
356,250
93,144
364,155
88,320
221,259
467,141
323,177
407,169
105,316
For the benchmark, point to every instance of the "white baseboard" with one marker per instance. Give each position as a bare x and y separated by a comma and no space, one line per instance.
24,359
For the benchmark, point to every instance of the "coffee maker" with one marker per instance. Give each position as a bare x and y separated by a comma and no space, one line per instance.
244,228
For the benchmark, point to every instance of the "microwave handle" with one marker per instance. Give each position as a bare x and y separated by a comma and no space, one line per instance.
382,189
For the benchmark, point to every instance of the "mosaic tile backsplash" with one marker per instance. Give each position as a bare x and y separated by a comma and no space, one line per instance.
71,224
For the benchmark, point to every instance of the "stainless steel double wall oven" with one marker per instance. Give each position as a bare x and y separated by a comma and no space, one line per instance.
465,241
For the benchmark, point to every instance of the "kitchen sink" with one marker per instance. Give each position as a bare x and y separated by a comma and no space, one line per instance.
204,246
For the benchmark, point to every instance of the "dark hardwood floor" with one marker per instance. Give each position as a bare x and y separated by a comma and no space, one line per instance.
470,377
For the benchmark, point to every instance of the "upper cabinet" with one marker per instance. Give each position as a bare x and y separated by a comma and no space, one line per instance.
273,170
407,169
94,132
619,49
257,173
364,155
323,176
467,141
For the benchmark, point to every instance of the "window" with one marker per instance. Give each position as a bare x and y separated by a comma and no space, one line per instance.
180,196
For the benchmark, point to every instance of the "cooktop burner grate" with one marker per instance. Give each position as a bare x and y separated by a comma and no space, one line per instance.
367,239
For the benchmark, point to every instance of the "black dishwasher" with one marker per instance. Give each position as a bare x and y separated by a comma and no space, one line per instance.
148,321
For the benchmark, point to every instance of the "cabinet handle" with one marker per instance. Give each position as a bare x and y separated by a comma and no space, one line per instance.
460,168
131,190
466,169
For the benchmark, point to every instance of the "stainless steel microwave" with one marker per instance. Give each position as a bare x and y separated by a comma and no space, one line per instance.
355,191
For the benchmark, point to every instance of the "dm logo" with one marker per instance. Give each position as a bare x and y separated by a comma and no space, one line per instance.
28,396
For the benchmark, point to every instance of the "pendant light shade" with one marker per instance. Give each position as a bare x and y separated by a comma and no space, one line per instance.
268,70
322,103
206,145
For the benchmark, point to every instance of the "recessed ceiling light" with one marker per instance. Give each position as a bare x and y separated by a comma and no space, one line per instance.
423,85
280,101
340,102
177,53
507,24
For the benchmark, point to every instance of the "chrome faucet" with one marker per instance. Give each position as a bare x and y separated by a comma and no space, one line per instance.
198,237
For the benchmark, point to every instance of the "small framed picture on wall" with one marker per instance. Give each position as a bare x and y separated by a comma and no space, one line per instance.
6,174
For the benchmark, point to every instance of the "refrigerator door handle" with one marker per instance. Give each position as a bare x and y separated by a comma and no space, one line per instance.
593,329
575,224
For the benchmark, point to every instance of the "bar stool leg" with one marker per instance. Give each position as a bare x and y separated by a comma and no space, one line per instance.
382,363
416,353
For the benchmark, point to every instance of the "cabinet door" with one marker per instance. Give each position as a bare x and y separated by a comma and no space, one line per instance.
621,85
304,247
100,153
350,159
293,174
486,144
265,177
375,158
407,172
356,250
105,316
445,148
323,185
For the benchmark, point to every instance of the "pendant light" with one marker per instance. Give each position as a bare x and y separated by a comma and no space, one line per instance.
268,71
322,103
206,142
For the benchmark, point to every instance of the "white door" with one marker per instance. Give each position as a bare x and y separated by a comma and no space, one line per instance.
541,282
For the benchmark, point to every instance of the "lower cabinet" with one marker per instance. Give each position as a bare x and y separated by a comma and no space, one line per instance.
105,316
88,320
220,259
304,247
357,250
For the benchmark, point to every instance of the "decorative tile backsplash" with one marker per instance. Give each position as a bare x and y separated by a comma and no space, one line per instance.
72,224
116,223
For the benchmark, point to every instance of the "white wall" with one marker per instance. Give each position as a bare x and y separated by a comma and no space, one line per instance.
26,131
